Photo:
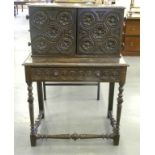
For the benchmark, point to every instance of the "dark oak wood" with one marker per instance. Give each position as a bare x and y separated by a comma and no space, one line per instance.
101,70
31,112
33,140
76,136
111,96
77,56
98,91
53,31
40,98
100,31
119,108
76,30
44,89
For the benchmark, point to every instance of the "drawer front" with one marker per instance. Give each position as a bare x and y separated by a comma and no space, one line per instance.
99,31
132,44
76,74
52,30
133,27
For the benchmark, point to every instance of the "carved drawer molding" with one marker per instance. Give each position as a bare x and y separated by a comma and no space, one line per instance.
75,74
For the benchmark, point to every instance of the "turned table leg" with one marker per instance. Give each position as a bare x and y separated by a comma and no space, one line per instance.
98,91
111,96
40,98
31,112
119,108
44,88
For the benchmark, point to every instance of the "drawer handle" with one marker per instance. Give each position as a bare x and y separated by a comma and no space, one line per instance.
98,74
56,73
27,17
29,44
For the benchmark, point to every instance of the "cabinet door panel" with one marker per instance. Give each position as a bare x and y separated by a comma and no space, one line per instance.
100,31
53,31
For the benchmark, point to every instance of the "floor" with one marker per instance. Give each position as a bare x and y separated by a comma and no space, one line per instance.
72,109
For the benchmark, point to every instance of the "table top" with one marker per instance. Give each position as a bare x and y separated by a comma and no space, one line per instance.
74,61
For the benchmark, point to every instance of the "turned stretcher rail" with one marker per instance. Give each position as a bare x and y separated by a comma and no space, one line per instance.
76,136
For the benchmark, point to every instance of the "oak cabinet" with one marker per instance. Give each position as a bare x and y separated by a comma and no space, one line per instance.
132,37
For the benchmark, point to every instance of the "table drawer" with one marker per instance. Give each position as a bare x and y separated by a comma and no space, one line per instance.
76,74
132,44
133,27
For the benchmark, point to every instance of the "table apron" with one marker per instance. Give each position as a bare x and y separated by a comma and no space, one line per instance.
102,74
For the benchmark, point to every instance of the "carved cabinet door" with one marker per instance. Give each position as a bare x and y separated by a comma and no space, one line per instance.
100,31
52,30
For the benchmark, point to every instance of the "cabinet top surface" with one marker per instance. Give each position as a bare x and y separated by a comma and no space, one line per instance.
74,5
74,61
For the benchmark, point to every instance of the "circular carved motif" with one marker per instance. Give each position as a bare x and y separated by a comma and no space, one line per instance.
64,18
65,44
72,73
98,73
112,19
56,73
83,32
99,31
40,44
39,19
88,19
111,44
86,45
53,32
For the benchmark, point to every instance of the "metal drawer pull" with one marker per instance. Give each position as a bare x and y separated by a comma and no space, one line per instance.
27,16
29,44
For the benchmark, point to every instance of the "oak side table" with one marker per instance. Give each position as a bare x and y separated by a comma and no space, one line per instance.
39,69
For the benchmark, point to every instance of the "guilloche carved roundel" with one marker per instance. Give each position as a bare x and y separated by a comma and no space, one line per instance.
64,18
40,44
111,44
99,31
113,19
39,19
86,45
88,19
53,32
65,44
